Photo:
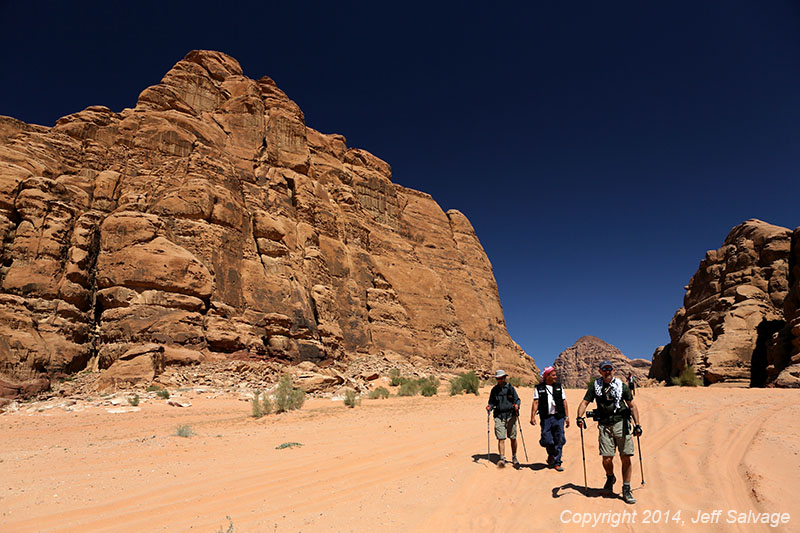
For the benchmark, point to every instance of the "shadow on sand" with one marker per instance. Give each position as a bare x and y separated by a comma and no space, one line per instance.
493,458
571,488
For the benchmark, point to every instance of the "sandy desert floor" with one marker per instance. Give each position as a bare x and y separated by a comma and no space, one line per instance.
401,464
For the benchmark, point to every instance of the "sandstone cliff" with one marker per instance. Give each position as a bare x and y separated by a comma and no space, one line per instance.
783,352
578,364
208,221
733,312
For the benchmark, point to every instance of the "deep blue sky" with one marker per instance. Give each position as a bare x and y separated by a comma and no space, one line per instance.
599,148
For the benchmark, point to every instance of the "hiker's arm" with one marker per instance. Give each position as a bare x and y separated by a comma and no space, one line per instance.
492,402
634,411
534,407
566,408
581,410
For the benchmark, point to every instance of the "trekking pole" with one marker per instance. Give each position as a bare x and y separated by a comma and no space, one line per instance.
488,440
583,453
523,440
641,467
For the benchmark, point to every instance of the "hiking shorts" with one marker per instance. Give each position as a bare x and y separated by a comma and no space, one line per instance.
610,438
505,428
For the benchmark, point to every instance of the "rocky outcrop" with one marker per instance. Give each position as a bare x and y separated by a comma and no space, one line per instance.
733,310
210,220
783,353
578,364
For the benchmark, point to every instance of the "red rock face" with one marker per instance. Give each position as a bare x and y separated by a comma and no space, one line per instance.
733,311
209,218
579,363
783,356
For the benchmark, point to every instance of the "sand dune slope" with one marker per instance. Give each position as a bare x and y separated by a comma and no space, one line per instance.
400,464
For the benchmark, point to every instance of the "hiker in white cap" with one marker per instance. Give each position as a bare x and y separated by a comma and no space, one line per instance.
505,401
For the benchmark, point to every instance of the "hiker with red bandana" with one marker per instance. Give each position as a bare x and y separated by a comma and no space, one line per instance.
550,403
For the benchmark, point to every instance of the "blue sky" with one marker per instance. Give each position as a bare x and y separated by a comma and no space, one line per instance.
598,148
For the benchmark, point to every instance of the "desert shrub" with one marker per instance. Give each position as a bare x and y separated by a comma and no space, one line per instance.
688,378
184,431
163,394
433,380
266,405
153,388
257,409
408,388
428,386
465,382
394,375
428,390
351,399
380,392
134,400
287,397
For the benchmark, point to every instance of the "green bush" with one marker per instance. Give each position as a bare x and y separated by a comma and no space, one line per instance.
287,397
466,382
153,388
184,431
380,392
258,410
163,394
408,388
134,400
428,390
394,375
266,405
688,378
351,399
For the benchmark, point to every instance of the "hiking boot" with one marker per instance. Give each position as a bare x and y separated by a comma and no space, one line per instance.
515,462
559,468
550,460
609,486
626,494
502,462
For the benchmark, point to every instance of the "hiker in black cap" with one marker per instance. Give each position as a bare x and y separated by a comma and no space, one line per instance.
505,401
613,417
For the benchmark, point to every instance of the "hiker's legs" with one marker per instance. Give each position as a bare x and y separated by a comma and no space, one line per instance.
501,447
557,432
514,447
626,468
608,465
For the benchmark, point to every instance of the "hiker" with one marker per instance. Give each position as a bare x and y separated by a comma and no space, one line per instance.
632,383
550,403
505,401
613,415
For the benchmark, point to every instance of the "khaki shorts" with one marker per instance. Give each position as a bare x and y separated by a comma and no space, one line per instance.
505,428
610,438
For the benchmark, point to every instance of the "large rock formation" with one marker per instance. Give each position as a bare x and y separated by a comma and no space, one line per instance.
210,219
783,353
733,310
578,364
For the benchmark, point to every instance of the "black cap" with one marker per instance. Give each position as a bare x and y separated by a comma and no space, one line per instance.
606,364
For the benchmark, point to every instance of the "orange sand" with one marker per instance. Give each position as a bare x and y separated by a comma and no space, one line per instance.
402,464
